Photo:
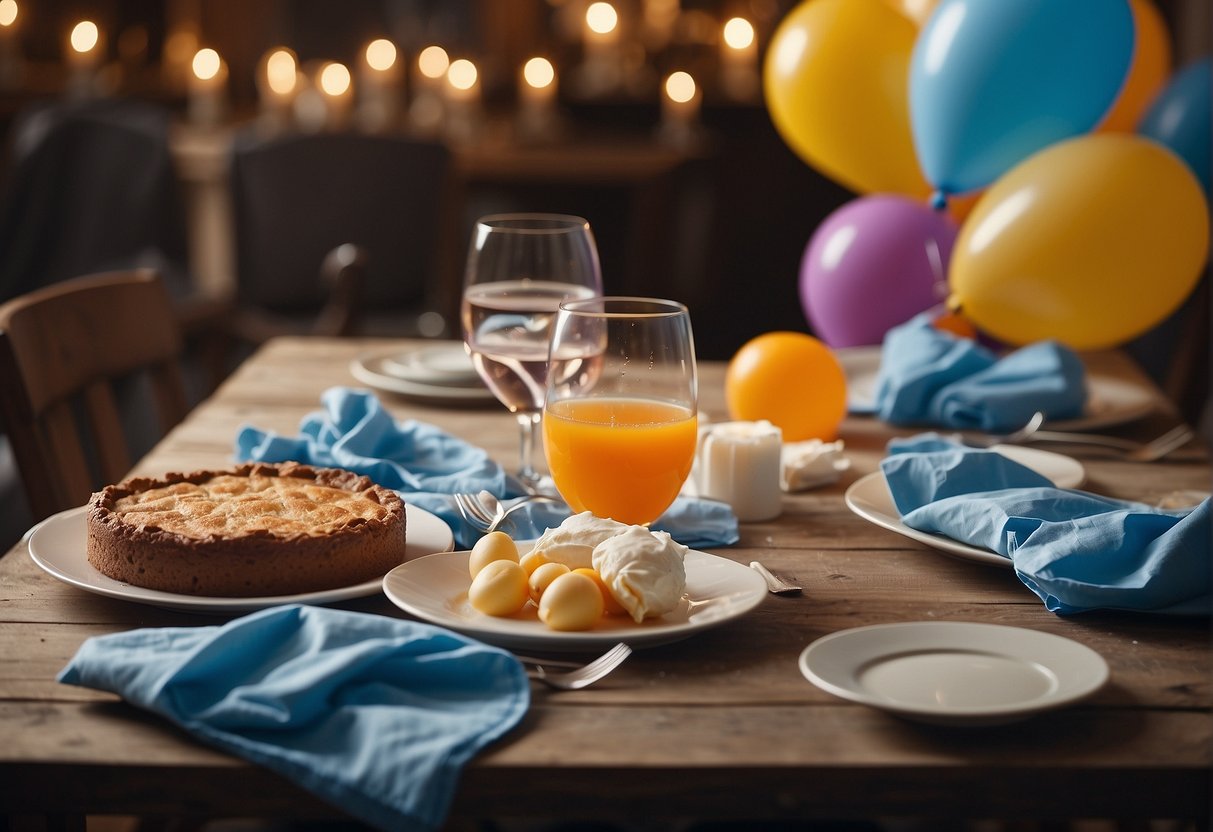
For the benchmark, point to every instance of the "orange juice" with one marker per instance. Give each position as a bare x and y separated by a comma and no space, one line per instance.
620,458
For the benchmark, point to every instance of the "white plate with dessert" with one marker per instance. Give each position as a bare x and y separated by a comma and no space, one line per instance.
435,589
57,545
1110,400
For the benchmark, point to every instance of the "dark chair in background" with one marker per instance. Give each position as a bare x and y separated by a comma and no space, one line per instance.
63,350
371,209
91,187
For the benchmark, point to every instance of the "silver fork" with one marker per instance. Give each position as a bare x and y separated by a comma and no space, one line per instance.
485,513
579,675
775,584
1148,451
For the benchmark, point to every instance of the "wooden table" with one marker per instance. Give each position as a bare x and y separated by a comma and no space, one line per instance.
721,725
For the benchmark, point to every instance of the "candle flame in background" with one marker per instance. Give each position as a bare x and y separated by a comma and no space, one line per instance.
433,62
601,18
281,71
334,79
206,64
85,35
680,87
381,54
738,33
8,12
462,74
539,72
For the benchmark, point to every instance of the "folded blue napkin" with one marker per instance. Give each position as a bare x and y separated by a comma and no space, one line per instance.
428,465
931,377
1077,551
375,715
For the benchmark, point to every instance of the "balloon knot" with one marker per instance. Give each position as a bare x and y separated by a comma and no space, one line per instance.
954,305
939,201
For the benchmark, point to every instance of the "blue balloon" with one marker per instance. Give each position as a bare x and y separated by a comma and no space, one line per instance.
994,81
1181,118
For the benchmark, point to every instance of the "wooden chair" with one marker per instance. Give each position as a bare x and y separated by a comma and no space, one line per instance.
62,350
373,209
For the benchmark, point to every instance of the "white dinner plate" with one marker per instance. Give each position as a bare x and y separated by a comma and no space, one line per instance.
57,544
869,497
434,589
373,369
445,364
1110,400
952,672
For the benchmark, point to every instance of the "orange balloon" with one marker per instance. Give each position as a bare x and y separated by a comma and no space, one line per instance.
790,379
1149,71
917,10
961,205
956,324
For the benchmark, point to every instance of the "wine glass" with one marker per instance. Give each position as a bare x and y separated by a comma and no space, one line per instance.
519,268
620,418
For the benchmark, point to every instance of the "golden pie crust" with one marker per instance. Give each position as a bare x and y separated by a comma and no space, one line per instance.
254,530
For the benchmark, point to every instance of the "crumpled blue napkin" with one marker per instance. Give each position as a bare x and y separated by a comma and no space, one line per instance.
375,715
428,465
931,377
1077,551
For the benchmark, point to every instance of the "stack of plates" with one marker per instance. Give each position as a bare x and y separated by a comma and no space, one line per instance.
440,373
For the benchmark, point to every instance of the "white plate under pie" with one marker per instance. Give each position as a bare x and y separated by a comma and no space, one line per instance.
434,589
373,369
954,673
57,545
1110,400
869,497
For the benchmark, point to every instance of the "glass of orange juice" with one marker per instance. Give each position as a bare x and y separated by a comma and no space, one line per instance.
619,419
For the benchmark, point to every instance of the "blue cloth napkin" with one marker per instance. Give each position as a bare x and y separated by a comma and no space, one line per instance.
931,377
1077,551
427,465
375,715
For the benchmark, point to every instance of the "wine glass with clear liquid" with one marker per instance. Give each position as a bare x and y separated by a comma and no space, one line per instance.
520,267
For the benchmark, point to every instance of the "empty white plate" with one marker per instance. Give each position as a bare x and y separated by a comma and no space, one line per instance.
952,672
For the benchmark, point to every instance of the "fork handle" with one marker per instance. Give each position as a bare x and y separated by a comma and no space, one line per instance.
1084,439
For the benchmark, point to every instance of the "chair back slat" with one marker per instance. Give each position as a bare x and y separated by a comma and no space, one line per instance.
64,458
104,425
62,349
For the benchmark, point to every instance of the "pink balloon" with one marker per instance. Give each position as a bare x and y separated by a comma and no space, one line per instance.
874,263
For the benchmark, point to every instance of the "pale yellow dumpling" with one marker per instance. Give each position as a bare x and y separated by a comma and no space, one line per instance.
543,576
500,588
571,602
493,546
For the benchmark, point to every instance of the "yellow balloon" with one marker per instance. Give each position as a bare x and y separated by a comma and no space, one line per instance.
836,83
1091,241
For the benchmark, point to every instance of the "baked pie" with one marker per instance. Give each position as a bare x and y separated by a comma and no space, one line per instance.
254,530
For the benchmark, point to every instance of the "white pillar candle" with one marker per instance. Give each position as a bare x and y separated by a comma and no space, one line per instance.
680,102
207,88
739,463
10,49
427,110
462,98
378,85
739,59
601,71
337,87
83,54
537,99
277,84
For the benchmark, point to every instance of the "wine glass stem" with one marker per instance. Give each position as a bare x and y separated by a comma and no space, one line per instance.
528,423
